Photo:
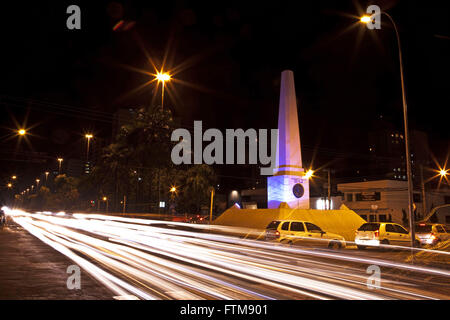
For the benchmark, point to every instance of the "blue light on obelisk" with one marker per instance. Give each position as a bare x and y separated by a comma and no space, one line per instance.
288,183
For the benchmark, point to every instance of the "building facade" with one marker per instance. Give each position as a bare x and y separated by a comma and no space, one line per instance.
387,200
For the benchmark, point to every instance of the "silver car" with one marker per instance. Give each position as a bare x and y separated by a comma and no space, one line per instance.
431,233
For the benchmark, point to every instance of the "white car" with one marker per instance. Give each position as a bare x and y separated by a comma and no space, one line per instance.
294,232
431,233
374,234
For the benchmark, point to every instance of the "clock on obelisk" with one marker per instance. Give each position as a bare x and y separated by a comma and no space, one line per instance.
288,183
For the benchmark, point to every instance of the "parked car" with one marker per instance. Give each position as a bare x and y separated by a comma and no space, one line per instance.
199,219
431,233
294,232
374,234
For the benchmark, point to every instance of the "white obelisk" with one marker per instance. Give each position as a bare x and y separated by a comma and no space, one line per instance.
288,183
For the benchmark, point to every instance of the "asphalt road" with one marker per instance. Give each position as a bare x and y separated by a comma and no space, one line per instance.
129,258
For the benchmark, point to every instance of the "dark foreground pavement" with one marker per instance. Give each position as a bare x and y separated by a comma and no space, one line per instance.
30,269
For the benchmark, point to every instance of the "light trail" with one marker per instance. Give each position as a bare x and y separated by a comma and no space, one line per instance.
151,259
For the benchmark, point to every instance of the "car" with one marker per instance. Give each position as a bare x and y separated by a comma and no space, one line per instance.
431,233
374,234
198,219
295,232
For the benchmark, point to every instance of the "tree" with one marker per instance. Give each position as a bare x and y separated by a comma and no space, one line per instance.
66,194
197,183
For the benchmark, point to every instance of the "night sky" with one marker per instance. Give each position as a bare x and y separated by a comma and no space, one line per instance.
231,53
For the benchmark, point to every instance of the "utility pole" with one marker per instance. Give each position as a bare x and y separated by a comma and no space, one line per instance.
211,206
424,196
124,204
329,189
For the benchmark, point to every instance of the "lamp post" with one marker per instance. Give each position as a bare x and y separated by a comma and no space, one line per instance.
37,183
105,199
88,137
22,132
46,176
211,205
60,160
366,20
162,77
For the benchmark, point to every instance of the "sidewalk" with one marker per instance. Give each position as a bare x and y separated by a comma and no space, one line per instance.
29,269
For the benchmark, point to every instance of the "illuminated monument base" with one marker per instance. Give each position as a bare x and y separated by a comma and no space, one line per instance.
343,221
290,189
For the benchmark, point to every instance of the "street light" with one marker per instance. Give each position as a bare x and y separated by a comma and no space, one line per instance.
60,160
162,77
14,177
365,19
37,183
9,185
309,174
22,132
105,199
88,137
46,176
443,173
173,189
405,120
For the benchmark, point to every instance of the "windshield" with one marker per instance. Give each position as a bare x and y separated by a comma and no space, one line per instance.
423,228
369,227
273,225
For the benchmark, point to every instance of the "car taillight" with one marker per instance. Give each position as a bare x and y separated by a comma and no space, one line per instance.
277,234
377,233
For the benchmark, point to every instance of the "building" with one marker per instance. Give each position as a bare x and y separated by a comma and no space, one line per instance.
387,152
387,200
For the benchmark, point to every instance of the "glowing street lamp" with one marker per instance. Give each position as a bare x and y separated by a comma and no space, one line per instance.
37,183
14,177
9,185
365,19
162,77
46,176
60,160
88,137
22,132
105,199
443,173
309,174
173,189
